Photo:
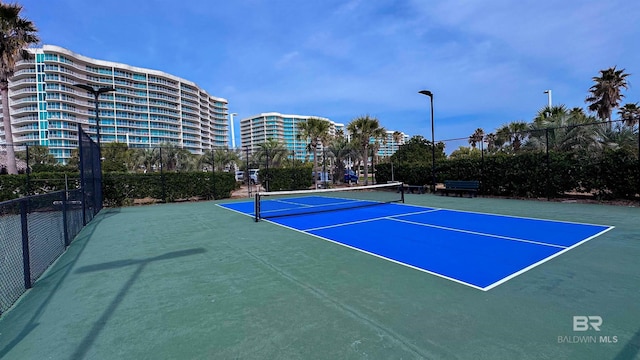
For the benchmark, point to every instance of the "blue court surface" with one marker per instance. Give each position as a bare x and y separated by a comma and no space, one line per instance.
475,249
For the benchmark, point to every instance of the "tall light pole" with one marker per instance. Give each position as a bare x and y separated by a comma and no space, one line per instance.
96,94
233,136
548,92
433,144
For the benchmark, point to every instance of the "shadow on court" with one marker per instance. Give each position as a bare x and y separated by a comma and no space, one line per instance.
631,348
56,277
140,264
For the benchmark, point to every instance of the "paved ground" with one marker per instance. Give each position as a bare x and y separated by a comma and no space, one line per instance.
195,281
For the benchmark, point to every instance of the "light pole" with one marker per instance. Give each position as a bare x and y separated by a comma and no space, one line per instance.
548,92
433,144
233,137
96,94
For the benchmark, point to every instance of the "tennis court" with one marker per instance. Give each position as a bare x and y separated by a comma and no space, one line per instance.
475,249
197,281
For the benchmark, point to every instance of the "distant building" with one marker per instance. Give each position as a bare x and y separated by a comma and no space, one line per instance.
390,144
148,108
257,129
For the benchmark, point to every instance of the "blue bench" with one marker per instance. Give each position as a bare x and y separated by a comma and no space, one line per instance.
470,187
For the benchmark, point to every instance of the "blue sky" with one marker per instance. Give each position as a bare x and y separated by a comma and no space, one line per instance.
487,62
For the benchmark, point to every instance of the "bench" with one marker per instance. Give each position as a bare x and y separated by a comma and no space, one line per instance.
461,186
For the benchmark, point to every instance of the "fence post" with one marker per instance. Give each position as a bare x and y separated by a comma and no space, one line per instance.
213,174
246,174
83,179
164,190
28,172
482,166
65,227
26,262
548,184
266,178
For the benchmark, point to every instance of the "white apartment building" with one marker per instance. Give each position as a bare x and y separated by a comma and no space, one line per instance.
391,144
148,108
257,129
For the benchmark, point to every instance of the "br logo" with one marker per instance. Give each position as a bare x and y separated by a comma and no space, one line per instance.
583,323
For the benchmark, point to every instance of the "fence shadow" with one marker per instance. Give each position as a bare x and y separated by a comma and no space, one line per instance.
140,264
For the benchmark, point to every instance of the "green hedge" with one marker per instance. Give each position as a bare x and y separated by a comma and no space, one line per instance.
122,188
614,175
298,178
15,186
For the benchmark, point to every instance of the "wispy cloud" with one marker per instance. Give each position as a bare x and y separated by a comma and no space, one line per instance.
486,62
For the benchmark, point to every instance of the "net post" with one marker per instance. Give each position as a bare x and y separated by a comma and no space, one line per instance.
256,207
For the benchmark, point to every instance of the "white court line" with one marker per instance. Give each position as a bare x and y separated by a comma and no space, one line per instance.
522,271
479,233
290,202
486,288
310,206
378,256
252,215
368,220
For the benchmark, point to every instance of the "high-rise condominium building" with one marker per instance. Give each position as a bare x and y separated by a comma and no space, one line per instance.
391,143
148,108
257,129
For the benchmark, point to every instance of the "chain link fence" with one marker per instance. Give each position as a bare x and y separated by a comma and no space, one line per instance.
35,230
593,160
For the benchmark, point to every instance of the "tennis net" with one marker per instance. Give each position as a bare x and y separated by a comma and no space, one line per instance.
300,202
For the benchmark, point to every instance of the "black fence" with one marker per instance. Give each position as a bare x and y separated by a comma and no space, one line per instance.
35,230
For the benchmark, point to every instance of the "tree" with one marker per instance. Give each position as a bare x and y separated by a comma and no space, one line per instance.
316,131
630,113
417,151
465,152
146,159
219,159
272,151
514,133
476,137
341,150
492,142
17,34
398,138
117,157
39,154
565,130
605,94
363,129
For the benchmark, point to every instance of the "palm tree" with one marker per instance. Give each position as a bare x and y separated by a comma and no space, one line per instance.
341,150
17,34
363,129
513,133
476,137
272,151
397,139
219,159
316,131
566,131
147,159
605,94
630,113
492,142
